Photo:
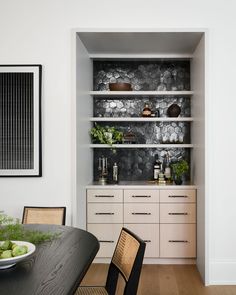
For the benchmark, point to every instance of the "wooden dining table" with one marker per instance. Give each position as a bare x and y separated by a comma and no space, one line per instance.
56,267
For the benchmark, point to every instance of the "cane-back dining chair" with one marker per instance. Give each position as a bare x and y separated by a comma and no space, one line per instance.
127,260
44,215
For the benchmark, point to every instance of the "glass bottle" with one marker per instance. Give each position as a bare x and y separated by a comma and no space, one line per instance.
156,170
115,173
162,85
167,168
174,86
161,176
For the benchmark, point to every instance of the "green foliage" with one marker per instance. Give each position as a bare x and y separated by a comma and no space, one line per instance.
11,229
180,168
4,219
106,135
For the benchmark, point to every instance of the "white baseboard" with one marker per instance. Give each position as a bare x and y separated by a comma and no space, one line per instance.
155,260
169,261
223,272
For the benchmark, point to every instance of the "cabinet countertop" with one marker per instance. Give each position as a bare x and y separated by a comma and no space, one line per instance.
140,185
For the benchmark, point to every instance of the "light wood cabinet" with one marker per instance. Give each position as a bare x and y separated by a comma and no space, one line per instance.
165,219
107,235
105,218
177,240
177,223
141,213
177,196
105,213
178,213
141,196
105,196
150,234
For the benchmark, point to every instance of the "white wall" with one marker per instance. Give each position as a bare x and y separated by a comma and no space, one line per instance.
82,110
40,32
198,153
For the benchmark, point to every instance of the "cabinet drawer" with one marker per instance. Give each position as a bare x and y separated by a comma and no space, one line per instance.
178,240
105,196
150,234
178,213
141,196
141,213
177,196
105,213
107,235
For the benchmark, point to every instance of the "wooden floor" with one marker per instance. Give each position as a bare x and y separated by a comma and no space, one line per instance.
162,280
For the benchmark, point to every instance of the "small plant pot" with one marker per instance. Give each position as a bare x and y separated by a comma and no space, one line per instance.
178,181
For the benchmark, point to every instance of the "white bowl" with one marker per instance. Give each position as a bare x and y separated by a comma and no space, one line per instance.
9,262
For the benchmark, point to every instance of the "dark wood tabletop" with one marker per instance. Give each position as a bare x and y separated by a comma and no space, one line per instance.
56,267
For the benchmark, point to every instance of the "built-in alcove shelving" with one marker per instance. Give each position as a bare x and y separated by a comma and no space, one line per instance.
137,55
123,110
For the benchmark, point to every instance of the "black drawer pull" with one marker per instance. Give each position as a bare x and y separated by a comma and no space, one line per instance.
104,196
104,213
178,213
106,241
178,241
141,213
174,196
147,241
141,196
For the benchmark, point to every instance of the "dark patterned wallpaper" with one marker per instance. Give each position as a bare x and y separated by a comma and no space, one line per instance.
126,107
155,132
137,164
143,75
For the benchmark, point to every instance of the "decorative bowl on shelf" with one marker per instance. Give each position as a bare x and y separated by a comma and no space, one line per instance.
120,87
9,262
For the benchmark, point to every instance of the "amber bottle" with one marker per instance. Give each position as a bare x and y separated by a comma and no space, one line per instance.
146,111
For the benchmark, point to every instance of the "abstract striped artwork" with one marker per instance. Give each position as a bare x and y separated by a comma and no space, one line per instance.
20,140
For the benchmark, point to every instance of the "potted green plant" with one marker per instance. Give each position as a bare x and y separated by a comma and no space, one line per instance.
106,135
179,169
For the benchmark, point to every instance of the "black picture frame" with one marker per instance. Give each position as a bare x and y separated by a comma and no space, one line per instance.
20,120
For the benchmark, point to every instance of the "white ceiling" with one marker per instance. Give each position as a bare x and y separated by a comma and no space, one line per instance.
140,43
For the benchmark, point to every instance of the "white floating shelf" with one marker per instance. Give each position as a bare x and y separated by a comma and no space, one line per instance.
140,93
142,146
128,119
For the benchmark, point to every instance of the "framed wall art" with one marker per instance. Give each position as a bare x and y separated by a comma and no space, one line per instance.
20,120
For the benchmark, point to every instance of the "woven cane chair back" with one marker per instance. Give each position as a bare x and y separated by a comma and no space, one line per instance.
125,253
44,215
127,260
